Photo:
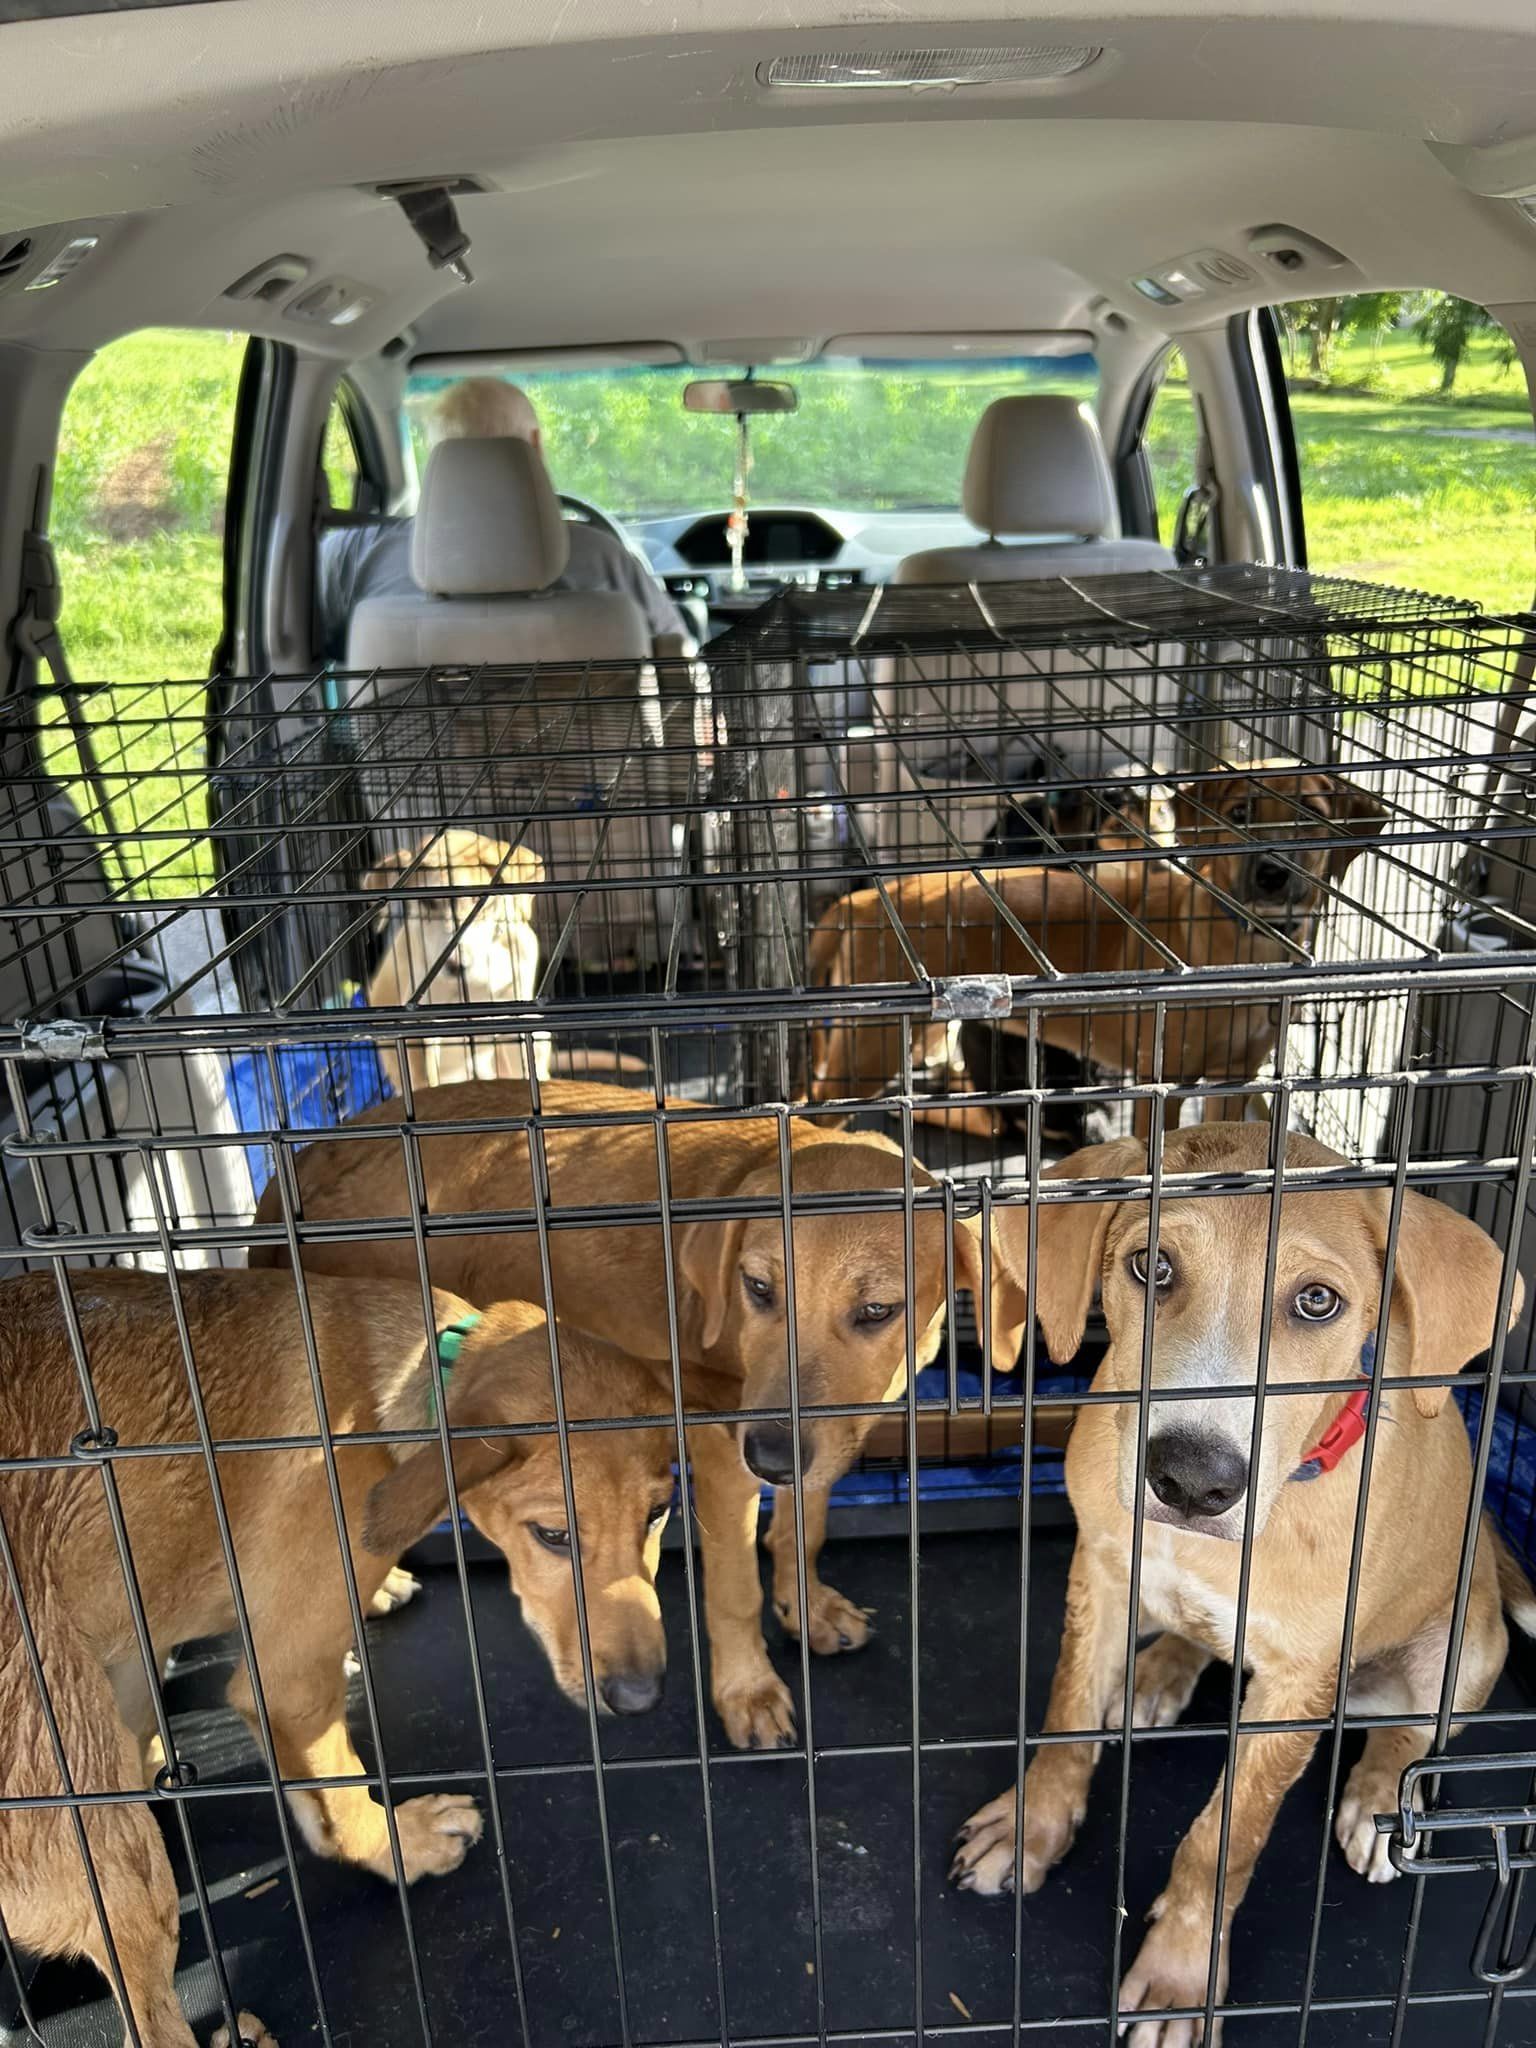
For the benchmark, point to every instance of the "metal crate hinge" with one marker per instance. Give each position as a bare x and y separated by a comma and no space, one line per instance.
973,995
66,1038
1496,1956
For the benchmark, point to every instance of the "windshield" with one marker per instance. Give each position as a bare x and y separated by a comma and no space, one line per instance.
867,436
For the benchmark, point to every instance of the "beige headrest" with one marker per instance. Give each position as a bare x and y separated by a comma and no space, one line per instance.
488,522
1037,465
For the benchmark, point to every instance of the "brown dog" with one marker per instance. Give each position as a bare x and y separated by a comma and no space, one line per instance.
1112,918
247,1342
1206,1489
467,937
850,1288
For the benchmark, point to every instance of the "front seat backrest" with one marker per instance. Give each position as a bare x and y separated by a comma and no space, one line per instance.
1037,473
489,542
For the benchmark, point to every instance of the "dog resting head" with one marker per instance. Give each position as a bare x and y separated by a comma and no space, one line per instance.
1206,1273
512,1490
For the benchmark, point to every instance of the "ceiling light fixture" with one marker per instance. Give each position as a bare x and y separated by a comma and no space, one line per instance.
925,70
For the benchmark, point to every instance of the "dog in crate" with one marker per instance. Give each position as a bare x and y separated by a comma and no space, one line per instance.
1122,815
729,1291
464,933
1216,1482
247,1344
1245,894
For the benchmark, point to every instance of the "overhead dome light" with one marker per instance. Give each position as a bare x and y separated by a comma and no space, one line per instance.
926,70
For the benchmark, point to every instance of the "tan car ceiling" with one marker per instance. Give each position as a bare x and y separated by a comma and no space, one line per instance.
648,187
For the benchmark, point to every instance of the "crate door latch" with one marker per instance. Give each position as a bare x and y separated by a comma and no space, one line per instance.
1496,1959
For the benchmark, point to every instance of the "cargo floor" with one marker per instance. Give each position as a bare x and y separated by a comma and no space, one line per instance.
872,1890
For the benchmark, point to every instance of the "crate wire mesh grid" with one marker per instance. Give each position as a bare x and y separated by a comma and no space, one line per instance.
191,962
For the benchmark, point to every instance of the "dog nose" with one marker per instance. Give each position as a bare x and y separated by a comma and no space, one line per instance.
631,1692
768,1449
1195,1475
1273,878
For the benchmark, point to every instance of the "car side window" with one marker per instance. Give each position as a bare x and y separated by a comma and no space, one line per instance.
1413,444
340,460
1168,439
140,481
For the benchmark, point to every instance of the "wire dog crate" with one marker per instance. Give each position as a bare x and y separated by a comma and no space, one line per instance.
858,925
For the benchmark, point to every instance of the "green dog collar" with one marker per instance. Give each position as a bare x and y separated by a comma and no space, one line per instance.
450,1342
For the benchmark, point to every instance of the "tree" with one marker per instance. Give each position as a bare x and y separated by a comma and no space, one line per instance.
1323,321
1447,326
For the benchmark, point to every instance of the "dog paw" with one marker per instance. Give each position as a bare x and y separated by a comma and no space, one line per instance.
1365,1851
252,2034
836,1624
1167,1672
1169,1971
398,1588
986,1855
435,1833
758,1714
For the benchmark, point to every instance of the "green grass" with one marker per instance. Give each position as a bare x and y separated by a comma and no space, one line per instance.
138,515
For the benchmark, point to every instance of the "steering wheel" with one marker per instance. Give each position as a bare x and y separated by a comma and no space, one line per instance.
588,515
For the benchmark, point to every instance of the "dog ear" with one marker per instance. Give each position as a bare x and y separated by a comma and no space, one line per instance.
524,868
1007,1296
1360,812
1194,807
706,1257
503,1375
386,872
1445,1290
1069,1241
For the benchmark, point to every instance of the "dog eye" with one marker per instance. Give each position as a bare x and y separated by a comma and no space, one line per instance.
759,1290
1317,1303
1164,1268
1239,814
552,1539
874,1312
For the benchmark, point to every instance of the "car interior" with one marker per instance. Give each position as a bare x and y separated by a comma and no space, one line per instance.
849,545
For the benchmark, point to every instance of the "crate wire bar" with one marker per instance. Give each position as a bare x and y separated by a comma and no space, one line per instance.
248,922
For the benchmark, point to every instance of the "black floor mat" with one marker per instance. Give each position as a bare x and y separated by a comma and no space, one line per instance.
873,1892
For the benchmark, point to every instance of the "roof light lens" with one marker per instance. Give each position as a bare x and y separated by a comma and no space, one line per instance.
926,70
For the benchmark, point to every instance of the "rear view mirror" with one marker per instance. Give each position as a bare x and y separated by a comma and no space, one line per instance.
738,395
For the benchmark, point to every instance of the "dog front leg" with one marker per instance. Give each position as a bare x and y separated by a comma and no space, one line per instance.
1173,1964
306,1709
1089,1670
836,1624
750,1697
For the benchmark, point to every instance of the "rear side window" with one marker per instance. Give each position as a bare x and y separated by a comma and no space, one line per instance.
1168,440
138,504
140,483
1414,444
340,460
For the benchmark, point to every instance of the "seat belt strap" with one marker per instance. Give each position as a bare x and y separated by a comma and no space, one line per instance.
34,631
35,640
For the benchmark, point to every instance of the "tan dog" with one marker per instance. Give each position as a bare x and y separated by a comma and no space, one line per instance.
468,937
1110,919
247,1343
1205,1490
851,1295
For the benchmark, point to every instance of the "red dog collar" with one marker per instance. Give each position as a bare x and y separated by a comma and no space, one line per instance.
1347,1427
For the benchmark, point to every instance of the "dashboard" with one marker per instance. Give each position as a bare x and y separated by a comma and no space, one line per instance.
812,546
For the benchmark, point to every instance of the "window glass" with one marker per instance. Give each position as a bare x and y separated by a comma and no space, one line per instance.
867,436
1169,438
1414,443
339,460
140,480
